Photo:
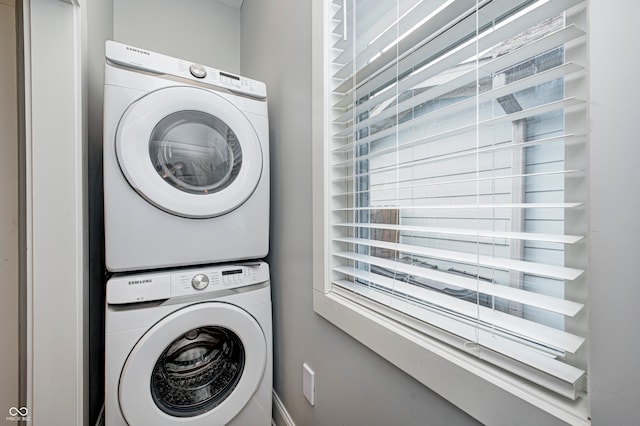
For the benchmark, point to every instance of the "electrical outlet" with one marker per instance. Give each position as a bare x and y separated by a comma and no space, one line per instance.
309,383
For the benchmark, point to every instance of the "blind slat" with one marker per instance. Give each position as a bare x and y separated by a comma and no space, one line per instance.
494,147
512,26
557,339
563,70
552,40
457,26
568,377
399,167
481,233
526,113
552,304
532,268
379,25
383,35
466,206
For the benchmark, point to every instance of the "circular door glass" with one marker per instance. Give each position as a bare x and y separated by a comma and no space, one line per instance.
195,152
189,151
199,365
197,371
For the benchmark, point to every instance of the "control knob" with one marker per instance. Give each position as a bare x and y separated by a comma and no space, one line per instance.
197,71
200,281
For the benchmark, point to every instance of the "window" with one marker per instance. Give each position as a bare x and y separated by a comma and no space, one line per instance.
454,181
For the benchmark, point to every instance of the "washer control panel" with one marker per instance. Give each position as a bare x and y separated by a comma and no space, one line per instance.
146,60
145,287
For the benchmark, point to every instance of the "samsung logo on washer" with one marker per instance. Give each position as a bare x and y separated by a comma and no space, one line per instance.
145,281
133,49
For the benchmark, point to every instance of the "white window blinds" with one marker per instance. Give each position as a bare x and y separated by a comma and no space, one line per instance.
456,174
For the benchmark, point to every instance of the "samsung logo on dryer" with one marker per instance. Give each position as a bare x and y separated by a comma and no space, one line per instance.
133,49
145,281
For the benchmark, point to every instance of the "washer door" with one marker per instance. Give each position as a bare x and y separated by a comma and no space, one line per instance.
198,366
189,152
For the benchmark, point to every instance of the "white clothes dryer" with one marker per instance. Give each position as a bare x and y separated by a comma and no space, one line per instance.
186,163
190,347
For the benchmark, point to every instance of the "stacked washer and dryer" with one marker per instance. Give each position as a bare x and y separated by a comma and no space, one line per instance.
186,194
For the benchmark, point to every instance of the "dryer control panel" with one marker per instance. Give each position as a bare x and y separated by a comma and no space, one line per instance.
149,286
146,60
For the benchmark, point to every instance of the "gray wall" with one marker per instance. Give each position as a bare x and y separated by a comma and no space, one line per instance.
615,202
203,31
354,386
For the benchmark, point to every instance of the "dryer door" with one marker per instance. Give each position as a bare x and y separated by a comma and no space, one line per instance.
198,366
189,151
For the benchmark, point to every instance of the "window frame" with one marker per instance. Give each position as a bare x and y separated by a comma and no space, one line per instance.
397,337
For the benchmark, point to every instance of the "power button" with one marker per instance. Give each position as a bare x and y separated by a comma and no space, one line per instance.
197,71
200,281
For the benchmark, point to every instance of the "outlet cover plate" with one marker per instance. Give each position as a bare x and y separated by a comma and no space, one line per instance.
309,383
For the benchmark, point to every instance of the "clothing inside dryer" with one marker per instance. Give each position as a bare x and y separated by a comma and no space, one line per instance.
195,152
197,371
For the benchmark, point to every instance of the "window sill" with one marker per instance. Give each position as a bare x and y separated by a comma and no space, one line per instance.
456,376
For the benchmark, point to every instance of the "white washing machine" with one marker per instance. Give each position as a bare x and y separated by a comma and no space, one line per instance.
186,163
189,347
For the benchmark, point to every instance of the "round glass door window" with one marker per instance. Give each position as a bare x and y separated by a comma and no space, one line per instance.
189,152
195,152
198,371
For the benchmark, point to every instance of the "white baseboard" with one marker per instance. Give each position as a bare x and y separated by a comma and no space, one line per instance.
281,416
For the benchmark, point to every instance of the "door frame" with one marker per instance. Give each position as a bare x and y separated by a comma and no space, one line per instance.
54,180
